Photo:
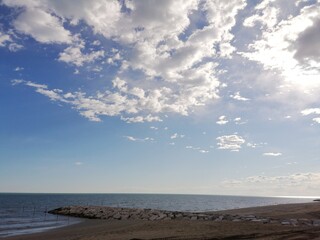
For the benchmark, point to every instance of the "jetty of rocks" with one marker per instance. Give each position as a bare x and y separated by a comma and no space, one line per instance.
117,213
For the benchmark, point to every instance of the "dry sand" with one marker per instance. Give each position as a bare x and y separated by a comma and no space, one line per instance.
183,229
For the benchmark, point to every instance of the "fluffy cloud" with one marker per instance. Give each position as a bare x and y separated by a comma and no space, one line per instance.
222,120
265,14
288,42
7,41
309,111
14,47
238,97
93,107
307,44
42,26
317,120
4,38
176,60
74,55
312,111
230,142
272,154
169,57
99,14
239,121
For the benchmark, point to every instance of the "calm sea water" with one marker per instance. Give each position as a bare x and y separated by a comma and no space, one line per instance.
26,213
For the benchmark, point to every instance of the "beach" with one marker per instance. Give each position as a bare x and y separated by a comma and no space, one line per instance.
99,229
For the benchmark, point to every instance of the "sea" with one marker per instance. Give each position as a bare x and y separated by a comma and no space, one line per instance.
22,213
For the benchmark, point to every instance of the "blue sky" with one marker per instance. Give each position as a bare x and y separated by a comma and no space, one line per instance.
201,97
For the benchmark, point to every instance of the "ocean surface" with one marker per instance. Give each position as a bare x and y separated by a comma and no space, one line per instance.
27,213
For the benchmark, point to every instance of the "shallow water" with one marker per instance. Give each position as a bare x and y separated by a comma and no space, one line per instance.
26,213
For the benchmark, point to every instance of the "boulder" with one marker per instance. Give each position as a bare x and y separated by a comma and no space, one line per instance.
117,216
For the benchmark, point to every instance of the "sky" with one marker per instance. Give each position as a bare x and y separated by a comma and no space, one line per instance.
184,96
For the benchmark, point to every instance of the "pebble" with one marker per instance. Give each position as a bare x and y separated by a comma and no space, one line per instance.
285,223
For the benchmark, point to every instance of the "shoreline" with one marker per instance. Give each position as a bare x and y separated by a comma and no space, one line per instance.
254,228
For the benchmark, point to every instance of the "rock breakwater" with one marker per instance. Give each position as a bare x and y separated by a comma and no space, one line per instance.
116,213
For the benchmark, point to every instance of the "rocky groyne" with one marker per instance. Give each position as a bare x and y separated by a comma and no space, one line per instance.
116,213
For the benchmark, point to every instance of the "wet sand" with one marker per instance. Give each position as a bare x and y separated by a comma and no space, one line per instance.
186,229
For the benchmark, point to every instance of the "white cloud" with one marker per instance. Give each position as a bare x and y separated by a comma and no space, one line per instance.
133,139
7,41
255,145
176,135
53,95
99,14
266,15
317,120
288,43
303,184
78,163
14,47
96,43
307,45
198,149
74,54
230,142
238,97
203,151
18,69
222,120
239,121
272,154
31,84
115,59
252,145
177,62
141,119
17,81
310,111
4,39
93,107
42,26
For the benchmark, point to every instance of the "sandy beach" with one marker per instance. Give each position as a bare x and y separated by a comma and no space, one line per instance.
94,229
